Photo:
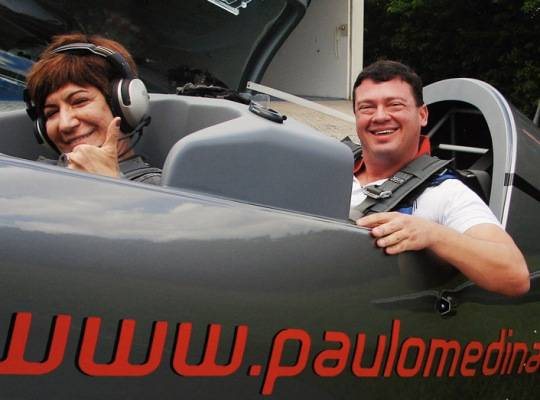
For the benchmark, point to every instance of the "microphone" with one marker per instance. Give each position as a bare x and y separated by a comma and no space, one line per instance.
138,130
63,158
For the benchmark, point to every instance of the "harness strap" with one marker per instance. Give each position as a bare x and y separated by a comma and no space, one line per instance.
355,148
138,173
385,197
136,169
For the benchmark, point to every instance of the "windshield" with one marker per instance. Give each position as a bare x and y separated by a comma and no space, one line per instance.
173,42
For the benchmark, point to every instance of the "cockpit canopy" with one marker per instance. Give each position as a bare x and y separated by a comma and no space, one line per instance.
173,43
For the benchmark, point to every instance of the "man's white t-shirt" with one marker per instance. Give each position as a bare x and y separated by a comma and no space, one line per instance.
451,204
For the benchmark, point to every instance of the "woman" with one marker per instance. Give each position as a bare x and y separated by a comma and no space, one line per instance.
87,104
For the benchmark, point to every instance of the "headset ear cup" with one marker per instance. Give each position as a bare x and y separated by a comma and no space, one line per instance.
40,132
115,106
130,102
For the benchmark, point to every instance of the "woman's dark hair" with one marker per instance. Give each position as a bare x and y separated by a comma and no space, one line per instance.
54,70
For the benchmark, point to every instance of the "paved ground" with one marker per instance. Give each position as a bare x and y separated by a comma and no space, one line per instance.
327,124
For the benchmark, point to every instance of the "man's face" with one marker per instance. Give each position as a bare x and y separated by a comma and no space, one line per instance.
388,121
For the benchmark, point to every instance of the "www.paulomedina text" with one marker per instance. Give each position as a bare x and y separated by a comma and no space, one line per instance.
393,354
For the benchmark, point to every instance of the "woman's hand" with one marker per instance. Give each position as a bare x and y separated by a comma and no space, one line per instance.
101,160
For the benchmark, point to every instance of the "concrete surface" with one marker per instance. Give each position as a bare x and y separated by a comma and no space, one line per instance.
328,125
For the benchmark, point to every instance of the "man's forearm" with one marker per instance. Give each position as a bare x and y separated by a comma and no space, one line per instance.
486,255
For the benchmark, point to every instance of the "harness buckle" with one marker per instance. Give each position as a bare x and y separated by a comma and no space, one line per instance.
397,180
376,193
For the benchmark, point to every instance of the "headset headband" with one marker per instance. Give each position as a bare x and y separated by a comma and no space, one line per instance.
129,97
114,57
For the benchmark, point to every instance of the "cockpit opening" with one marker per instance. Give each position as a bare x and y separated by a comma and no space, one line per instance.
458,131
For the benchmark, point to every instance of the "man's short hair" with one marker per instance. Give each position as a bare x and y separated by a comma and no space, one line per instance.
386,70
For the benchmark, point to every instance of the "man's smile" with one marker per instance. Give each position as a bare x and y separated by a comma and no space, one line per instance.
380,132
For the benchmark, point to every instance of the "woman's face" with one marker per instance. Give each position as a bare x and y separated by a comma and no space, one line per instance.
76,115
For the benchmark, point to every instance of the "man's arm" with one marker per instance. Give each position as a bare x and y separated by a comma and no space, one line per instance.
484,253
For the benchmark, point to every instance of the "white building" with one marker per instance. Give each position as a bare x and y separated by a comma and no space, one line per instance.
323,55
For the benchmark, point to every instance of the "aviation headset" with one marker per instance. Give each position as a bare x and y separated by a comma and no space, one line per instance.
129,97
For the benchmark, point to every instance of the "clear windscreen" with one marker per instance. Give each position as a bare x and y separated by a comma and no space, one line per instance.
172,42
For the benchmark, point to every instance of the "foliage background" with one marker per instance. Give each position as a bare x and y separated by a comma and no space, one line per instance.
497,41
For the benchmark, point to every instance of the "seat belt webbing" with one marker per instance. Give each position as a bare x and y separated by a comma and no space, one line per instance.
384,197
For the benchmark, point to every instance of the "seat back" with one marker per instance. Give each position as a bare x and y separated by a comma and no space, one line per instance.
174,117
287,166
17,137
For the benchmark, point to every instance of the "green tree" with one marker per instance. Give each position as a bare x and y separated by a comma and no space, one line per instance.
493,40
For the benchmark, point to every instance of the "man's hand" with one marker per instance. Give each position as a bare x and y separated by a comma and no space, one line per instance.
484,253
396,232
98,160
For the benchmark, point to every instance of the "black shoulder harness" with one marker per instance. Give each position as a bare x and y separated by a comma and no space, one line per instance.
388,195
136,169
142,174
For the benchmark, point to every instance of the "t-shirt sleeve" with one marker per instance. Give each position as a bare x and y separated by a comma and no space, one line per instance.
454,205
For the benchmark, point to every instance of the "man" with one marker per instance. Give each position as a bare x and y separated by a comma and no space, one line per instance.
448,219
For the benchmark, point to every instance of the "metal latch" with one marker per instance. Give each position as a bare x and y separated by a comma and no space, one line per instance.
376,193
